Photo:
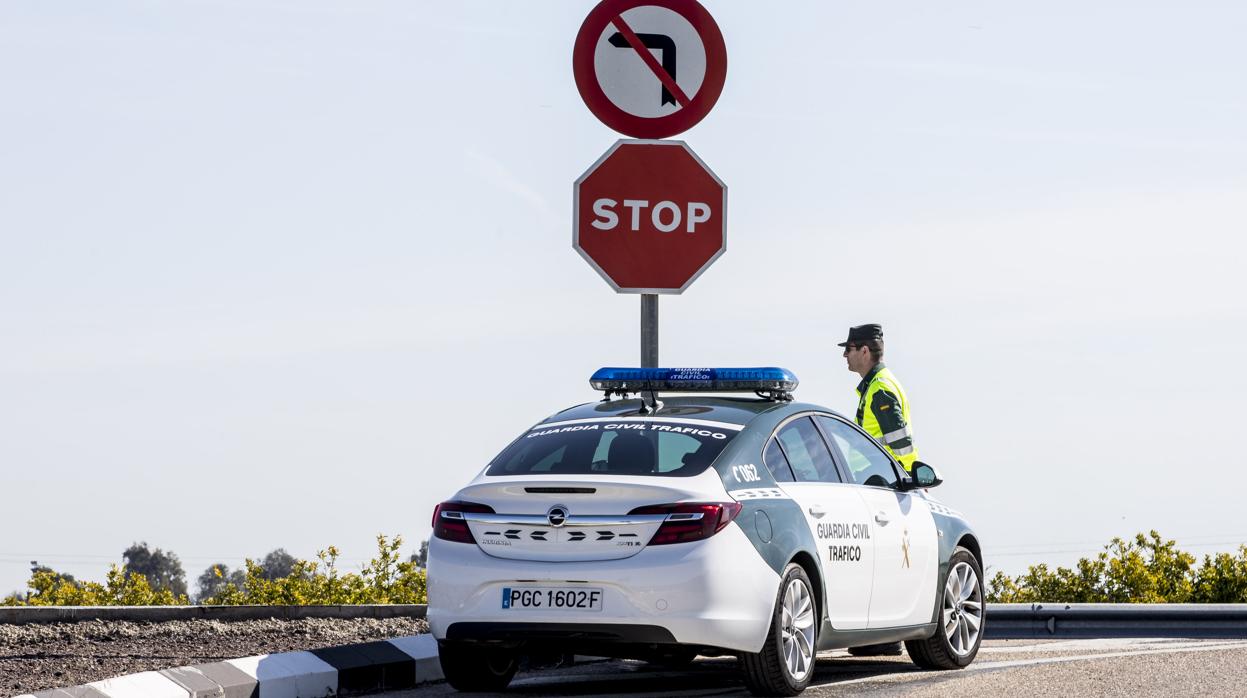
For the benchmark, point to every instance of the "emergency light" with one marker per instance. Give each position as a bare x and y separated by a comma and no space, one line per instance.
775,382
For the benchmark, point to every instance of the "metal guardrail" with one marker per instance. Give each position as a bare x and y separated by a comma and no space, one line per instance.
73,614
1020,621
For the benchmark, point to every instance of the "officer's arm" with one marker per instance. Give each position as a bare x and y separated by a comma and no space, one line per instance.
896,433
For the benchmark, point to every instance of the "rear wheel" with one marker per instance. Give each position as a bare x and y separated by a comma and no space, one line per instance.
956,641
475,667
785,665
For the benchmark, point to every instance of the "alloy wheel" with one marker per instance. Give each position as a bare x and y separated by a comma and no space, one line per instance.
963,609
797,630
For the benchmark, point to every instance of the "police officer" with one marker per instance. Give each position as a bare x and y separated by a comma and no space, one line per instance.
882,408
883,411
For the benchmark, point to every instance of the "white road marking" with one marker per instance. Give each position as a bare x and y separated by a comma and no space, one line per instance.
1009,664
1102,645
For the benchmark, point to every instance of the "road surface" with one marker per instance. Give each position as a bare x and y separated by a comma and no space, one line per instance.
1069,669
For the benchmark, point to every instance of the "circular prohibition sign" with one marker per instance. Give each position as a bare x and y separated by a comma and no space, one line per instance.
609,76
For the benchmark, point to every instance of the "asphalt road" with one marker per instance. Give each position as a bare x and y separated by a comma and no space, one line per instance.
1069,669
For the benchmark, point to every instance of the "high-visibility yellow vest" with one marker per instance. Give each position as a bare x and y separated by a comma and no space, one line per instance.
883,411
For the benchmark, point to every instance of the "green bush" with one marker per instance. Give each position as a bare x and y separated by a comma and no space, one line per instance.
386,579
1147,569
1222,579
122,588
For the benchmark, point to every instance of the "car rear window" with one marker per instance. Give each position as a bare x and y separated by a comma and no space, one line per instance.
672,448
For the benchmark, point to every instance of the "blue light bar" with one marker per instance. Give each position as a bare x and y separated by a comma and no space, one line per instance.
724,380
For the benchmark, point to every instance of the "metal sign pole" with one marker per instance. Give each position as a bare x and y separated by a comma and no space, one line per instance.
649,330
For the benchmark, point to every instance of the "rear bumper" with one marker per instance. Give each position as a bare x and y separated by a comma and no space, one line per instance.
716,593
560,633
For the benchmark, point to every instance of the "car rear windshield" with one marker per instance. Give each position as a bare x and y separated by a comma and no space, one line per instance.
673,448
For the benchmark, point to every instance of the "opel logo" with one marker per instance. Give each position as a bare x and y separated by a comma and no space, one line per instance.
557,516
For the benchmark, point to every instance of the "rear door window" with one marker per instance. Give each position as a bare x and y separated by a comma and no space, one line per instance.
807,452
674,448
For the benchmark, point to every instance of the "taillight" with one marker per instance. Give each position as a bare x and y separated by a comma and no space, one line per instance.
448,522
688,522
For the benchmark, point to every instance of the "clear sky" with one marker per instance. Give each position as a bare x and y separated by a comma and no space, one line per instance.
288,273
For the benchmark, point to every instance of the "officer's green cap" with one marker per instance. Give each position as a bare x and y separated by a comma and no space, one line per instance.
863,333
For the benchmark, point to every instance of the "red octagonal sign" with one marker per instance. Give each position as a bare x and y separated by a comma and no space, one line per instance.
650,216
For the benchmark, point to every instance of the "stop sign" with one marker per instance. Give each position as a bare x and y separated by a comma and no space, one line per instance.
649,216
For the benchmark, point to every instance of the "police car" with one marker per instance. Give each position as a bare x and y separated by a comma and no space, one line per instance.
672,526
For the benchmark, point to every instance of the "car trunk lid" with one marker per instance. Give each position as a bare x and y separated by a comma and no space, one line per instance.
554,520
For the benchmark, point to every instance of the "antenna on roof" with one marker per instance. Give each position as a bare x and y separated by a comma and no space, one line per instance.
652,405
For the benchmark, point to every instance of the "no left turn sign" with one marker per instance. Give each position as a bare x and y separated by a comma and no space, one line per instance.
649,68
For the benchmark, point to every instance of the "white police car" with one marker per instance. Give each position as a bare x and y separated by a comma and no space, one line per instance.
699,524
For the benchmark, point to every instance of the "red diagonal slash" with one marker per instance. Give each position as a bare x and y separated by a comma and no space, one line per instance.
635,42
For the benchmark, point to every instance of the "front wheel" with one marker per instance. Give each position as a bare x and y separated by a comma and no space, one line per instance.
956,641
471,668
785,665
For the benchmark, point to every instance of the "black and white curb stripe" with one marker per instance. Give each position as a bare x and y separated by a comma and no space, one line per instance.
387,665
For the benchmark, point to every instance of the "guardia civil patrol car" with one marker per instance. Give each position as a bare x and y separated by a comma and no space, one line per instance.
670,526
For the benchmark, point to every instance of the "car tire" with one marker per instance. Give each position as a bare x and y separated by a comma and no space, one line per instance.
785,666
961,619
469,667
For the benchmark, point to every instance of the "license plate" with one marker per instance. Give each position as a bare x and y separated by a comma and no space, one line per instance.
551,599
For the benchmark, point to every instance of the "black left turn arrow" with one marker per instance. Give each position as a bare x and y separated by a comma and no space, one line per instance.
664,44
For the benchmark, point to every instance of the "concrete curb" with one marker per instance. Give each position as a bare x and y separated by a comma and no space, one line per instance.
18,615
388,665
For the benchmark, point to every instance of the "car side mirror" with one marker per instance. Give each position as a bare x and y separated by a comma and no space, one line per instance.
925,475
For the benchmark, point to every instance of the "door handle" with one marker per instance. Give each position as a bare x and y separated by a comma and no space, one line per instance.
818,511
882,519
